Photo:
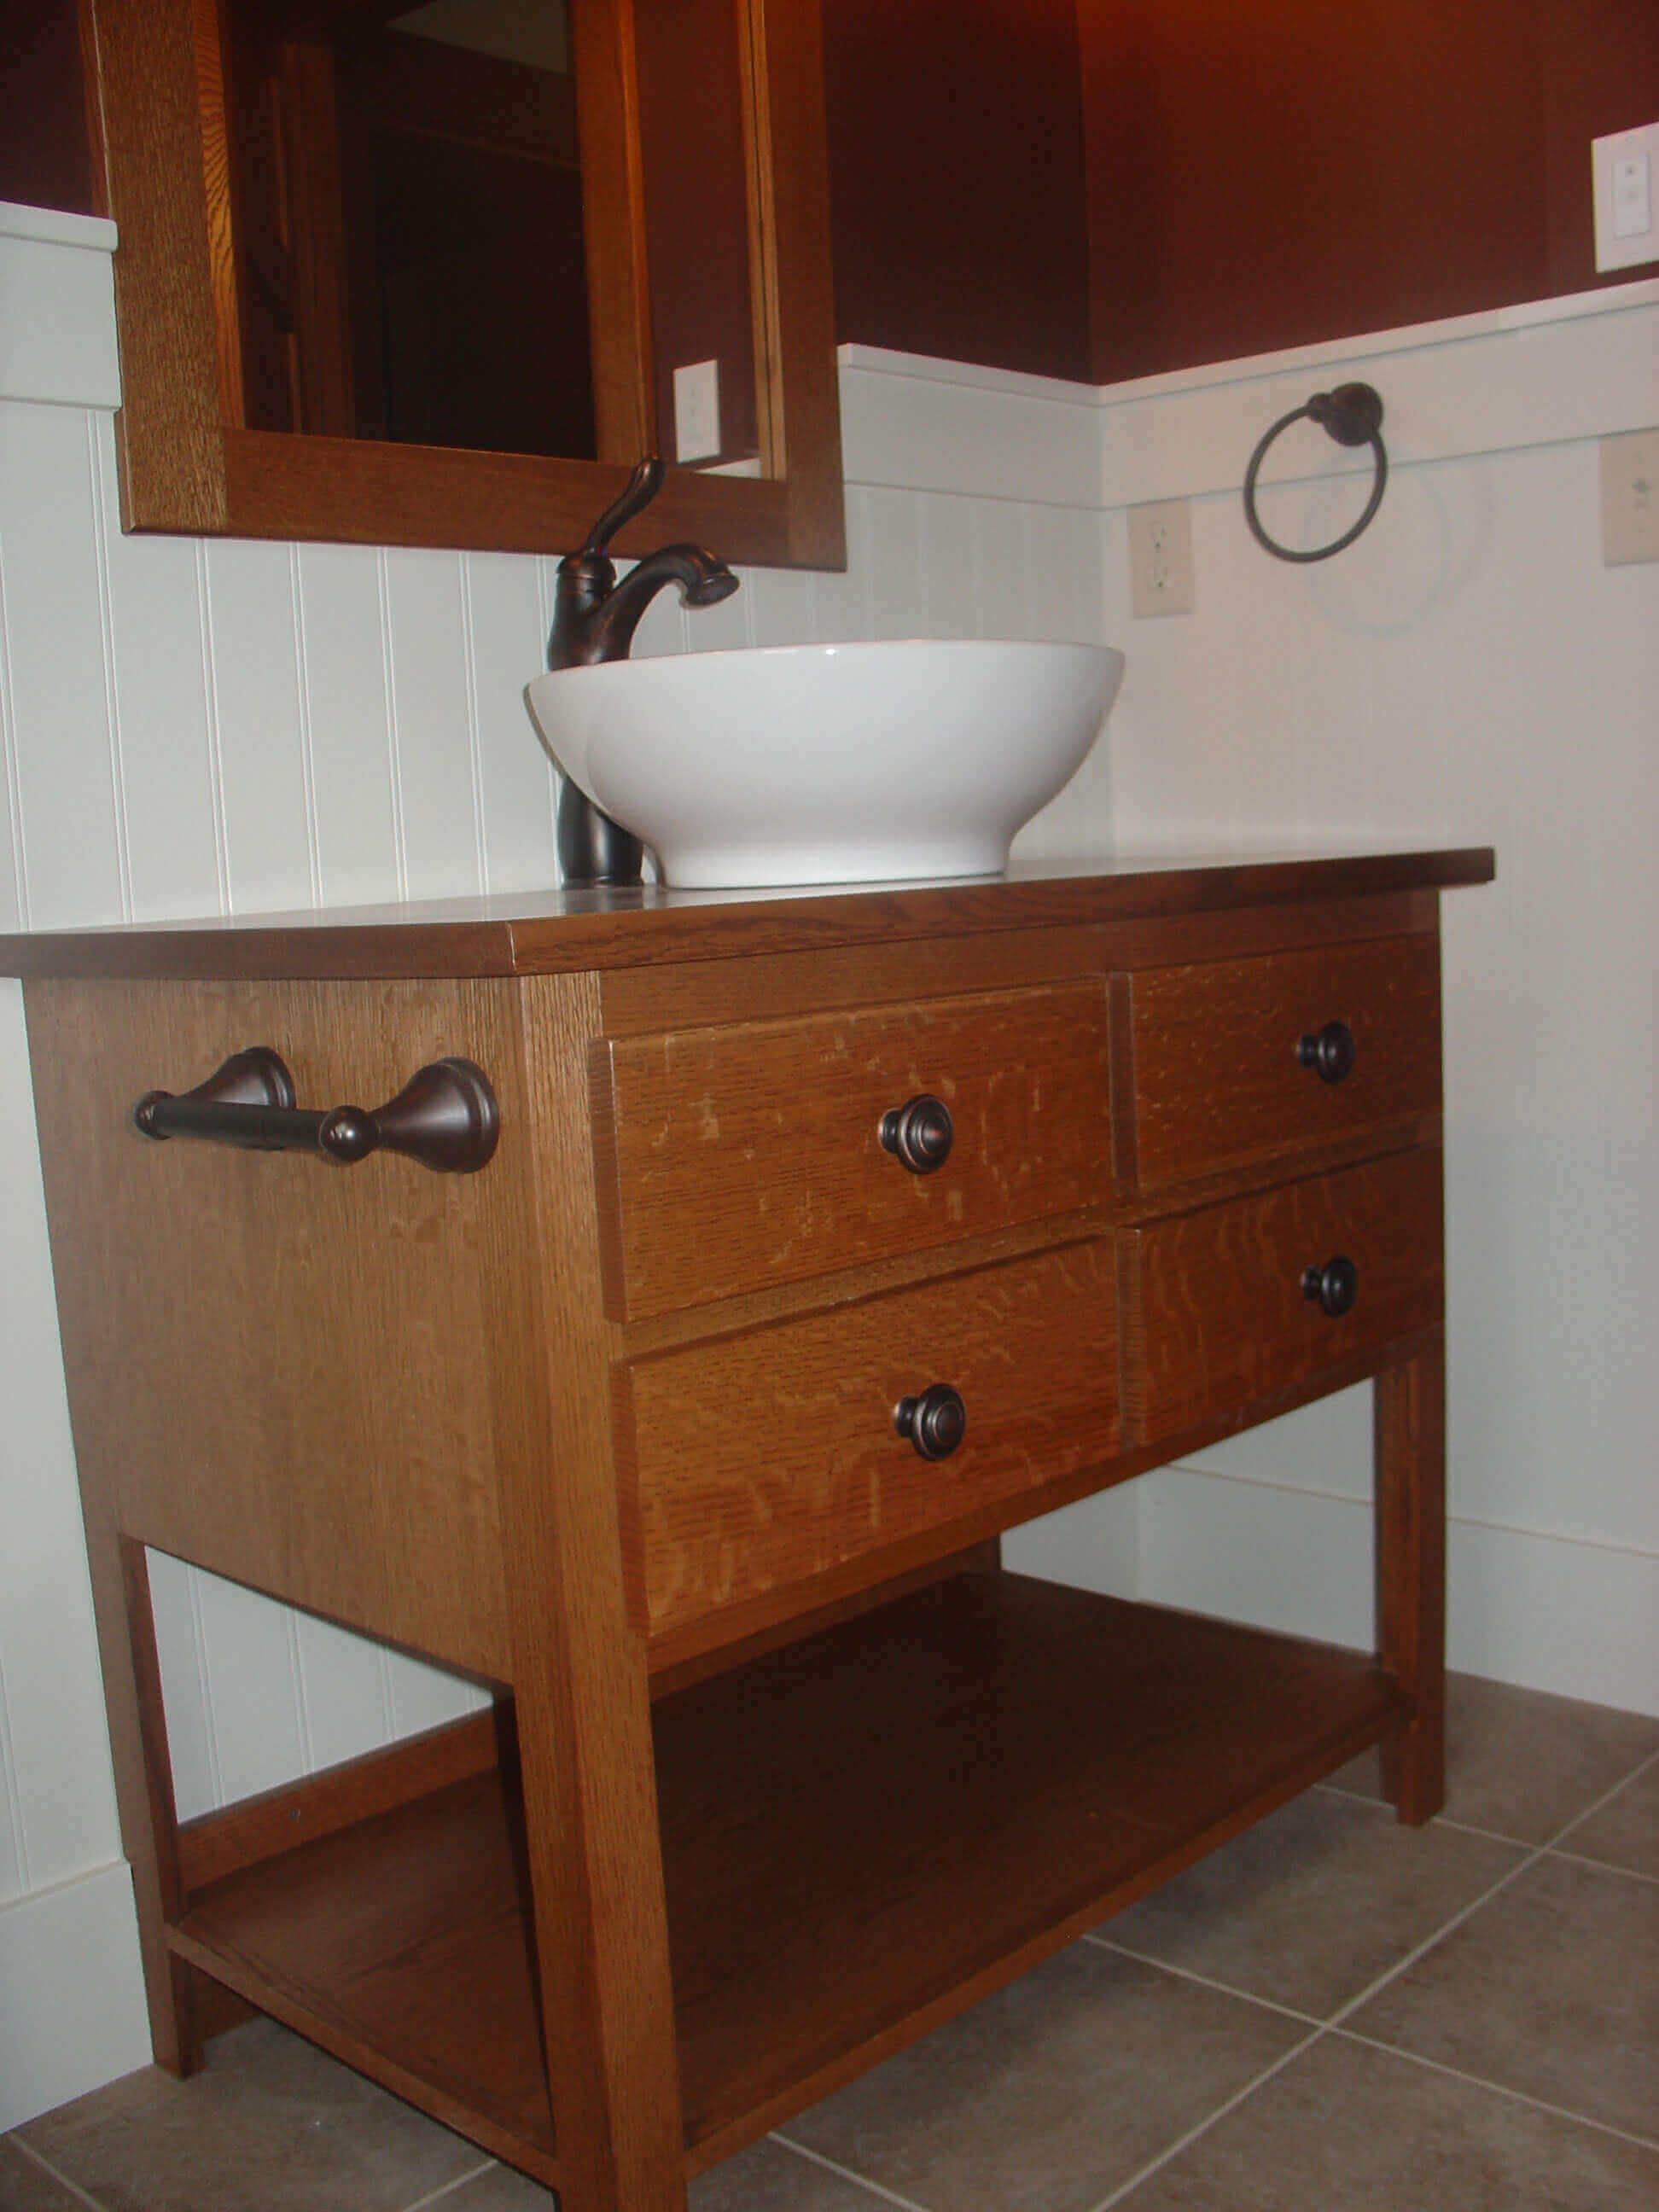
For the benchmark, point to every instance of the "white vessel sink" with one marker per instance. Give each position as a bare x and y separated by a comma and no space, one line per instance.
828,763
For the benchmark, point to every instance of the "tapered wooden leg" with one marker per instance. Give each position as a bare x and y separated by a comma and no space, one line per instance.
580,1683
144,1780
1411,1572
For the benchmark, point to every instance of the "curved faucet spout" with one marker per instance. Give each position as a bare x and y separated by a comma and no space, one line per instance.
704,581
594,619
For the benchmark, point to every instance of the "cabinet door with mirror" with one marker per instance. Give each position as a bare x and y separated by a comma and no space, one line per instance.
422,274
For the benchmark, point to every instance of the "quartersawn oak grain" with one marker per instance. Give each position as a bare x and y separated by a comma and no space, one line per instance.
398,1400
189,463
1216,1076
559,931
927,1799
761,1459
264,1297
750,1154
1215,1313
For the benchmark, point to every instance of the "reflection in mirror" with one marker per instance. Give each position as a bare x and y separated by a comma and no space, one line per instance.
407,207
406,198
699,241
231,339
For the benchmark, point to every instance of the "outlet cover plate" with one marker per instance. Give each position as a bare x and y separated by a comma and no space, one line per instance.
697,411
1630,498
1161,557
1626,215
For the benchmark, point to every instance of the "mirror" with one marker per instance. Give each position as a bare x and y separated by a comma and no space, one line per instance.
306,348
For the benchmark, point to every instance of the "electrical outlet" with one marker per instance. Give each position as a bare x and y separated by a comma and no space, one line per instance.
697,411
1623,175
1161,557
1630,498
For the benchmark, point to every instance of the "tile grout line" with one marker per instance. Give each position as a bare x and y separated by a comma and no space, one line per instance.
1641,1766
846,2173
62,2179
1498,2088
1345,2012
1211,2119
1605,1866
1204,1981
461,2180
1542,1851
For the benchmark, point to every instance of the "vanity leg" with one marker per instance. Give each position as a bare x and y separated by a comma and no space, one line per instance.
143,1780
1411,1571
580,1688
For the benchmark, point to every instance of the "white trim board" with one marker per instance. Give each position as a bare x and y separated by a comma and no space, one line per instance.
72,2014
57,311
1546,1613
1511,377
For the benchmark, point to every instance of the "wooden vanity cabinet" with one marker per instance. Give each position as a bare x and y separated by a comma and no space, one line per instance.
1056,1177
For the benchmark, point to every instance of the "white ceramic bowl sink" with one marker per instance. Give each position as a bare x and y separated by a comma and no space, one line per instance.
828,763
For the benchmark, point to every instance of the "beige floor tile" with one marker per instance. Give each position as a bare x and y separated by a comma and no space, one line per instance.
1049,2094
766,2178
1344,2129
1551,1989
1315,1903
26,2187
270,2125
1520,1763
497,2189
1625,1833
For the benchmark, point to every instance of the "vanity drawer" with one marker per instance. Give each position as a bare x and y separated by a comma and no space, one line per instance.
1222,1075
758,1461
750,1154
1230,1302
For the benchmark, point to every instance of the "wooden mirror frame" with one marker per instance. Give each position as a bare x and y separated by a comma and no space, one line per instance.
188,463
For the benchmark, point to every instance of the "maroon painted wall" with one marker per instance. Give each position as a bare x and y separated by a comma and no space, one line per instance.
44,156
957,179
1258,173
1269,173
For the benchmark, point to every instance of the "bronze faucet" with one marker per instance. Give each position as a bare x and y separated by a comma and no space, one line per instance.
594,619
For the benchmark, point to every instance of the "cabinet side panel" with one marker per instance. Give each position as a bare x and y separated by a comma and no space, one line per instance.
278,1368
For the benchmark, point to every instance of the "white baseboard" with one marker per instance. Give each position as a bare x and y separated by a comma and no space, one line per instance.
1546,1613
72,2014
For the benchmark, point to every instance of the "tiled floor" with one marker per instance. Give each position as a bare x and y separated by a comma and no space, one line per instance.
1332,2012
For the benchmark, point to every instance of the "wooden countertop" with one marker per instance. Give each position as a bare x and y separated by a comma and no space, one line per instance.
546,931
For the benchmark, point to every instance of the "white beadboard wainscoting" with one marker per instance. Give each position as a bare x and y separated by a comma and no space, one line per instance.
194,727
1468,672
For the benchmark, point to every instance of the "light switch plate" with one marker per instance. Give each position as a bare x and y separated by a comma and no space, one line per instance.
697,411
1630,498
1161,557
1624,178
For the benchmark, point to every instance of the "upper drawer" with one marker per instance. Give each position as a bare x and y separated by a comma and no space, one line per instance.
751,1154
1221,1072
756,1462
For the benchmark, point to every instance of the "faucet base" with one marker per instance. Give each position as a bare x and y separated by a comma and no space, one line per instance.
592,849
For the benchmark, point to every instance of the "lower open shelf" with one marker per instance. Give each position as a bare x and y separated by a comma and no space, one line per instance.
862,1832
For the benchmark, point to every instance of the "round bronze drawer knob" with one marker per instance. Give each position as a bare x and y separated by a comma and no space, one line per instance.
1328,1051
935,1422
919,1133
1334,1286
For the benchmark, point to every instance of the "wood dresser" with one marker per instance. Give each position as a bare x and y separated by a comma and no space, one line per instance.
825,1236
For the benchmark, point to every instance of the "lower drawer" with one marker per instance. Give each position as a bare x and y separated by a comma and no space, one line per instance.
760,1459
1233,1302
